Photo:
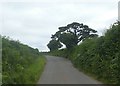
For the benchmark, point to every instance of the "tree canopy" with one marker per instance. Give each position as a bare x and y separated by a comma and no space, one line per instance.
73,33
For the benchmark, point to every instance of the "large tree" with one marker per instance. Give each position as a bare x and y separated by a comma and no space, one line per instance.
73,33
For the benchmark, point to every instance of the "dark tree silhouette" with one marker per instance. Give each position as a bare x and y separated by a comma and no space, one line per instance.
54,45
73,33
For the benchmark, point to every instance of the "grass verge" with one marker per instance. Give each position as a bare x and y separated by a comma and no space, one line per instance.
32,74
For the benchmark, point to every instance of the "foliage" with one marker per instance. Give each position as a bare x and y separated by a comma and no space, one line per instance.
54,45
73,33
20,63
100,56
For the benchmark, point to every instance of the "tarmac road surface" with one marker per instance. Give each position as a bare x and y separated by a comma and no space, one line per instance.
59,70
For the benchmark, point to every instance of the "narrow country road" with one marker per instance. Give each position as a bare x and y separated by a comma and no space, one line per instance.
61,71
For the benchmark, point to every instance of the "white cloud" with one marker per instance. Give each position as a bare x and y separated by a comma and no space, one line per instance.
33,22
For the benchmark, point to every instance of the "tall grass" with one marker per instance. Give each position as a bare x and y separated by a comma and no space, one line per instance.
32,74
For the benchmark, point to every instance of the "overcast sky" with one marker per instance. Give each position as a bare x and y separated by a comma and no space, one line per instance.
33,21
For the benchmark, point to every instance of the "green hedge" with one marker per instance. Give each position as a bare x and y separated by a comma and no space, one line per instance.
99,57
21,64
